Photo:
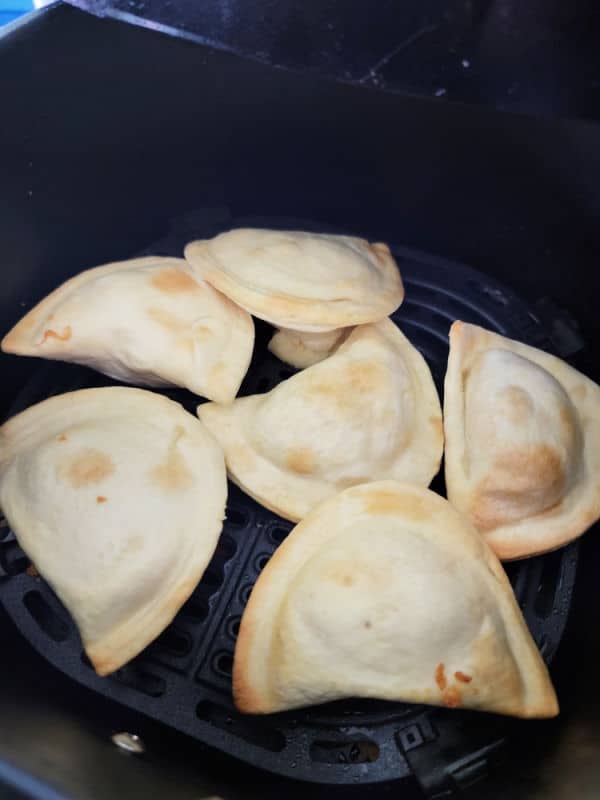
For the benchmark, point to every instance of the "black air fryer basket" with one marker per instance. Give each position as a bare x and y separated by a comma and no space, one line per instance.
138,143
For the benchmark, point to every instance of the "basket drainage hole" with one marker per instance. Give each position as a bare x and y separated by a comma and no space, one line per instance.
245,593
548,585
361,751
12,559
226,548
224,664
48,621
278,534
196,610
212,579
262,561
145,682
237,518
175,642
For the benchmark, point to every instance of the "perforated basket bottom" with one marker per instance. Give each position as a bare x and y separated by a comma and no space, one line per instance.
184,678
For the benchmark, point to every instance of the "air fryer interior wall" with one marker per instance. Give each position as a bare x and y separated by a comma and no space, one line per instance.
110,133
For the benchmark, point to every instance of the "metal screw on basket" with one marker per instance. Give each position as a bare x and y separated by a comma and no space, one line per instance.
129,742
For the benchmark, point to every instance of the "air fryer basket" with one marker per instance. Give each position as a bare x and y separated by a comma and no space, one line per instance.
184,678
